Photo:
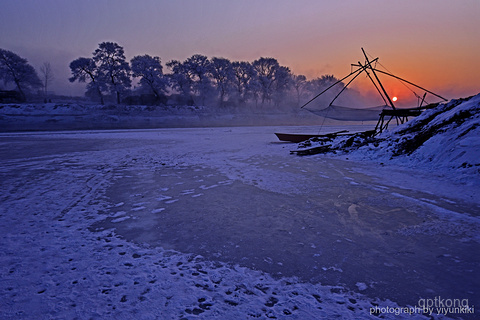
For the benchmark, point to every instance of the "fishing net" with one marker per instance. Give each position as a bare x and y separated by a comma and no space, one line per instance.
349,114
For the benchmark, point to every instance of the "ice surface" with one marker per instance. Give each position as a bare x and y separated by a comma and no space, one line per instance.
223,223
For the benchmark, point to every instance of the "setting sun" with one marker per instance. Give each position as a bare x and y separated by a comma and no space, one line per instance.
394,99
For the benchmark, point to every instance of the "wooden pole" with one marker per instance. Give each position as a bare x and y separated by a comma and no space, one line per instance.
378,80
423,99
413,84
376,87
345,87
351,73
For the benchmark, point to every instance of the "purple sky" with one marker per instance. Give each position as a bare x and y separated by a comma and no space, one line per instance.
432,43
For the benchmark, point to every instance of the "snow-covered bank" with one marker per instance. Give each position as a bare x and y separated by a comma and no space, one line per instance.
74,116
221,223
444,140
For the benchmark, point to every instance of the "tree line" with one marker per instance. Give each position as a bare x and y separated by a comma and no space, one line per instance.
196,81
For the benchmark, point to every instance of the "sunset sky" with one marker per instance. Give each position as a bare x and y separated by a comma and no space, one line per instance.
435,44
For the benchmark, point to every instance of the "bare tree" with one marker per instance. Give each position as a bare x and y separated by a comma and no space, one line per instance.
47,76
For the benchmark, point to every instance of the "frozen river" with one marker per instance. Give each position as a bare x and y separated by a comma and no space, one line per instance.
92,215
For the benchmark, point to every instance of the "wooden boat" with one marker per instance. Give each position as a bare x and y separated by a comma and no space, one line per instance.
293,137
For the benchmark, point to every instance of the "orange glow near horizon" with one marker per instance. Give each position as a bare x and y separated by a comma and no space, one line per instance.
408,96
448,72
307,38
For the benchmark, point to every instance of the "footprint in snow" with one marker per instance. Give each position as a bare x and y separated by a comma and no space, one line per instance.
120,219
204,187
187,192
163,198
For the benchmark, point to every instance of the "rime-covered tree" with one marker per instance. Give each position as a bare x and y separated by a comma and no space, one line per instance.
112,68
222,74
106,72
266,69
15,69
320,83
282,83
179,79
197,69
191,77
317,85
299,83
150,71
274,80
326,81
244,80
85,70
